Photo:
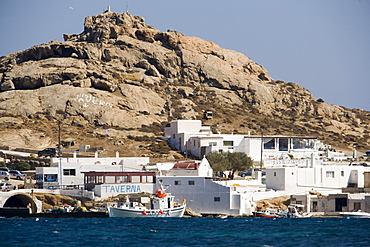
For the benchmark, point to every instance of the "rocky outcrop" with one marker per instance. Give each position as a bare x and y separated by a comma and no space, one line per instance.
122,73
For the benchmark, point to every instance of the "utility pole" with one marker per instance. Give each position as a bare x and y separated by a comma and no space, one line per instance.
60,159
261,162
59,143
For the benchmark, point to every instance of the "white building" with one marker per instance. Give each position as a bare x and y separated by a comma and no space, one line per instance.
316,175
208,197
333,204
193,180
190,136
198,168
107,184
70,171
190,180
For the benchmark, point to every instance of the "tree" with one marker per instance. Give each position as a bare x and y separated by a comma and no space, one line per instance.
217,161
229,161
238,161
23,166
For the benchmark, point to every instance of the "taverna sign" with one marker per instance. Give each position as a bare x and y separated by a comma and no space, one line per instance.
122,188
108,190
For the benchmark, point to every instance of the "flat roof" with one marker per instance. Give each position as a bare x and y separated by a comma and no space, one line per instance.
252,136
280,136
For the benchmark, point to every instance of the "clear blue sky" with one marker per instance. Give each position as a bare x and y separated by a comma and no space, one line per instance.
322,45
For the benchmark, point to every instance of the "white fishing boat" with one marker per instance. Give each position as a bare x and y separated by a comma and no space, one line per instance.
296,211
265,214
160,205
356,213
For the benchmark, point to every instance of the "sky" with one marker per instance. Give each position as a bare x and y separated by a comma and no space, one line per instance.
322,45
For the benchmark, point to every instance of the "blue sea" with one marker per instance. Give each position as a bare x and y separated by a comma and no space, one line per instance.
184,232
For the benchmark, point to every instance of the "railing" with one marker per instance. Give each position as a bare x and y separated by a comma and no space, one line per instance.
288,162
63,187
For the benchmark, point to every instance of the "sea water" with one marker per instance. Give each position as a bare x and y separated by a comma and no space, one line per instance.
184,232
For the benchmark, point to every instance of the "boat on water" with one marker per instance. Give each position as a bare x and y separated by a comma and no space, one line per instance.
265,214
356,213
296,211
161,205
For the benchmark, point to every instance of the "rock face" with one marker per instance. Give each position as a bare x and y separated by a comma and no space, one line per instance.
122,73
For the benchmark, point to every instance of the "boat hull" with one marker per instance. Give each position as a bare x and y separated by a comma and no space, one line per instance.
300,216
362,215
265,215
124,212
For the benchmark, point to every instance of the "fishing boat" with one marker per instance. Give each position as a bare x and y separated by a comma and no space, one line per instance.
222,216
265,213
296,211
356,213
160,205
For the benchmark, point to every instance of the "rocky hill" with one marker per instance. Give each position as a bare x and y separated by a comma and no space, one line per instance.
126,76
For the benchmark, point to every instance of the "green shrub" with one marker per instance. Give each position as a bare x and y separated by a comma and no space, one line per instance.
160,147
23,166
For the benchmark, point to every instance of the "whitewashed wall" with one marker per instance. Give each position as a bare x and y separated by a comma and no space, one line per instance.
325,176
200,196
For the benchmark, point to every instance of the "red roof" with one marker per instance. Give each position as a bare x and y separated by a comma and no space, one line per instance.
186,165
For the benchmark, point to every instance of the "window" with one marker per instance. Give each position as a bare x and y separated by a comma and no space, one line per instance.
38,177
357,205
191,182
299,143
110,179
194,143
217,199
342,173
314,206
269,143
228,143
91,179
122,179
274,174
99,179
148,179
50,178
177,182
330,174
69,172
212,144
283,144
